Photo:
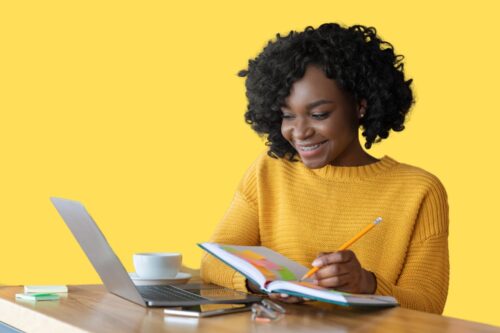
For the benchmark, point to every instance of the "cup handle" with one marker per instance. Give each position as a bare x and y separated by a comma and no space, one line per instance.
192,271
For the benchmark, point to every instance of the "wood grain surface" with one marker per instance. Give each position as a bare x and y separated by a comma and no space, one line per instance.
90,308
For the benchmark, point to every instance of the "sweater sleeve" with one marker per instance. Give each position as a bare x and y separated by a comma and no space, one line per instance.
423,282
239,226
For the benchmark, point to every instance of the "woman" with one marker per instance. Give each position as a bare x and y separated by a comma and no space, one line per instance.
309,93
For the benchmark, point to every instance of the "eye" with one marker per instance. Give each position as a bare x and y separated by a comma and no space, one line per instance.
287,115
321,115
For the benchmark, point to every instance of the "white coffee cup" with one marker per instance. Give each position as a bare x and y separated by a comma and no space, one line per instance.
157,265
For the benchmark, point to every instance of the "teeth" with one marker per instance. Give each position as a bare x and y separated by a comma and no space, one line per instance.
309,148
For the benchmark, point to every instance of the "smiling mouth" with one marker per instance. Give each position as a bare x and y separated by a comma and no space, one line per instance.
310,147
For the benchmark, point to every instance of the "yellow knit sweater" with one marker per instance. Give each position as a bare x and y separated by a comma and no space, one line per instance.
300,212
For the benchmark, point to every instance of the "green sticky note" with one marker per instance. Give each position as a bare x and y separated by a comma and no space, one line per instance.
38,296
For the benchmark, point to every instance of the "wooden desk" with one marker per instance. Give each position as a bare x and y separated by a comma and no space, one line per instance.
91,308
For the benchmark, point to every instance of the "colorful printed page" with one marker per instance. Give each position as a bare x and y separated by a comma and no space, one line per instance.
258,263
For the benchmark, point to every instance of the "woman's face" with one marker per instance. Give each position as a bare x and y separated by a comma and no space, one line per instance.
321,122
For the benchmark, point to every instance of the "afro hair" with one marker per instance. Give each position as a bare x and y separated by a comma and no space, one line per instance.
359,61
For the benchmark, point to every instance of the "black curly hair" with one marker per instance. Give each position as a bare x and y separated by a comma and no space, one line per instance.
362,64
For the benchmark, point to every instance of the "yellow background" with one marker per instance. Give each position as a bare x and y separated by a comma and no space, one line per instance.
135,109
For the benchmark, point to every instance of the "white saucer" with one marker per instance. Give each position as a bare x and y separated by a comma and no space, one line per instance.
180,278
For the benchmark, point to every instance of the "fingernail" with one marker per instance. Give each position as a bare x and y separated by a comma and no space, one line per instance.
315,281
284,295
316,263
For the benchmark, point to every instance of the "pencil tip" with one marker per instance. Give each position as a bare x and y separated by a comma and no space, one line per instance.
378,220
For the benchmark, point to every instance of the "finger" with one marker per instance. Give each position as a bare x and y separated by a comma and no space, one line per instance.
348,288
293,299
333,258
275,297
285,298
279,295
335,281
331,270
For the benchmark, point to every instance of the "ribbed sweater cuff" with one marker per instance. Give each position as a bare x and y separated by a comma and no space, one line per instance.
239,282
383,286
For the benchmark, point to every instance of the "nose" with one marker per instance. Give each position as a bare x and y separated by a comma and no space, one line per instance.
302,130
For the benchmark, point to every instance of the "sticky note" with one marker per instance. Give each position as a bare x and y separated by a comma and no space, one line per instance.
45,289
38,296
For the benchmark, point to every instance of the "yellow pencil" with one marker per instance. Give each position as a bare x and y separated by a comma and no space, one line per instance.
347,244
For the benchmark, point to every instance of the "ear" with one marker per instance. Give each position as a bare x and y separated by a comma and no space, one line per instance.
362,108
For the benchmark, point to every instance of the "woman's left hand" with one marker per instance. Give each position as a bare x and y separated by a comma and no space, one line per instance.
342,271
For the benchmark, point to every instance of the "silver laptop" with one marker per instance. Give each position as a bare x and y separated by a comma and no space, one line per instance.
115,277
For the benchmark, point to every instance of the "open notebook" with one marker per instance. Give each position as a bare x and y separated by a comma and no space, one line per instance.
275,273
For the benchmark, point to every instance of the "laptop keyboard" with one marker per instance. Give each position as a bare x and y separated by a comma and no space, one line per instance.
167,293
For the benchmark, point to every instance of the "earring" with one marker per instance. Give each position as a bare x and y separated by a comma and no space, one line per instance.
362,115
